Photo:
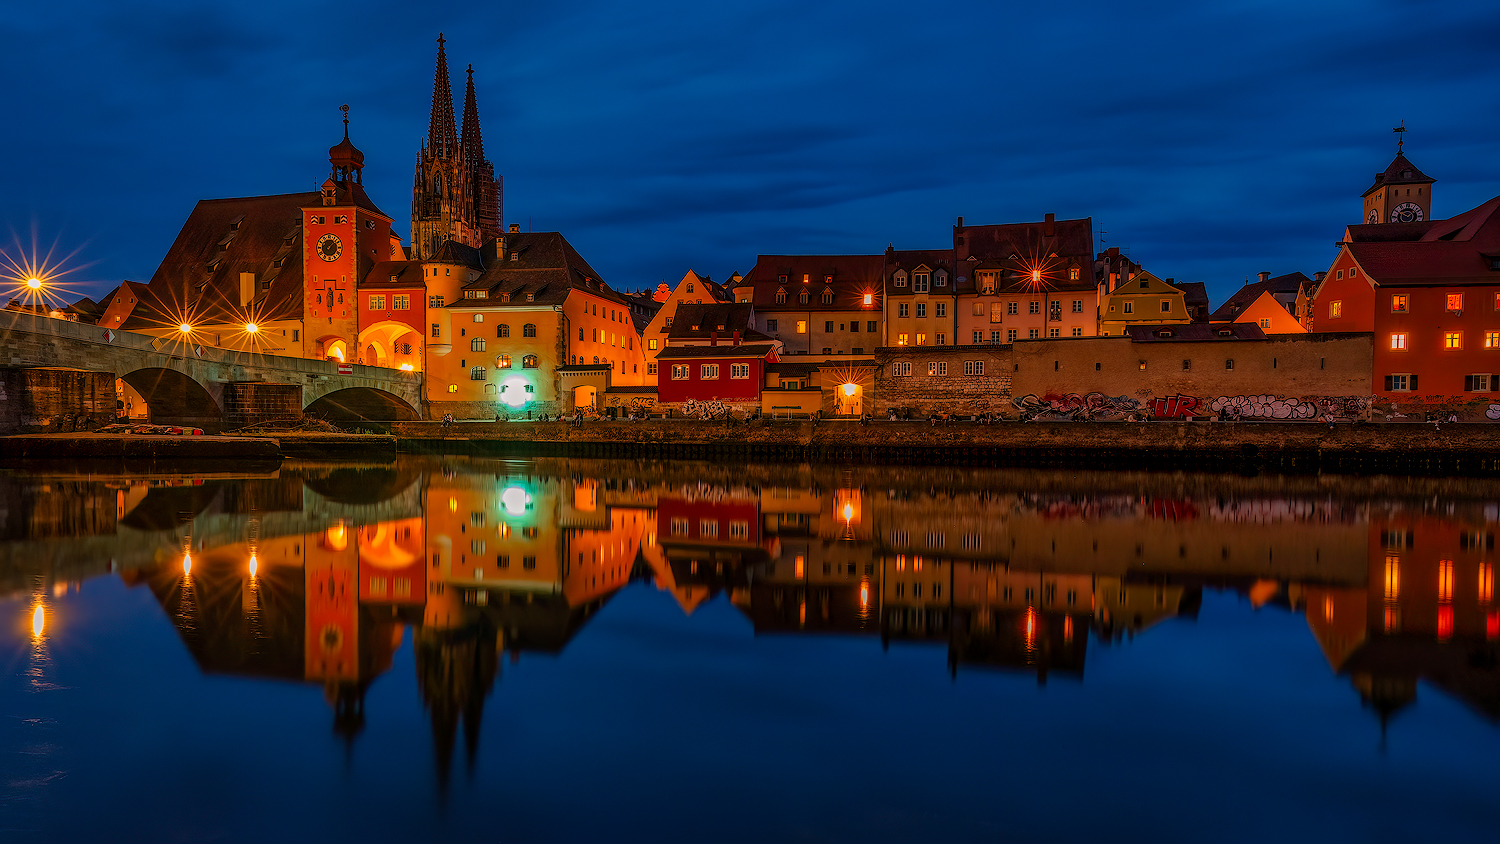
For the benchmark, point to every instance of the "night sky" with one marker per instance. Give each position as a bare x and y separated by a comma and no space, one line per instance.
1213,140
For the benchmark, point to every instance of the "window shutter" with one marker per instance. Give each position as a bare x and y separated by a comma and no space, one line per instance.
1414,382
1389,382
1468,383
1494,383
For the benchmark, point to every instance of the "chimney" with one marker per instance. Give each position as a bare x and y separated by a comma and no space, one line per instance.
1320,275
1264,276
1049,227
515,228
960,223
736,337
713,338
499,246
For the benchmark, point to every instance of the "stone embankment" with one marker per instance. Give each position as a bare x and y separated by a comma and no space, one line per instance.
147,449
1299,448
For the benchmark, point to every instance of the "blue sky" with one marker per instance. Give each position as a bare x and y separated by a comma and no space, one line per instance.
1211,139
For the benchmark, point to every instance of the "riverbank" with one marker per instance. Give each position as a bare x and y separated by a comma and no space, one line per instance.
148,449
1291,448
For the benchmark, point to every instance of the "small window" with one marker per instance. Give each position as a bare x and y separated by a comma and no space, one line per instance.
680,371
528,330
503,361
973,367
1166,306
476,374
1478,383
1398,341
1453,340
1455,301
1398,303
1335,309
709,372
476,345
1128,307
801,326
901,368
529,362
1229,363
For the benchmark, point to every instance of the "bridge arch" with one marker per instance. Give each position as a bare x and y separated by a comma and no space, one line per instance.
174,398
391,344
355,404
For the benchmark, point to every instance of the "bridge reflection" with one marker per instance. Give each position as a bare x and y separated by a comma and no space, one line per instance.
317,575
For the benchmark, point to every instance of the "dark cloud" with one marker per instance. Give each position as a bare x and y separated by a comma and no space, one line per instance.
1212,140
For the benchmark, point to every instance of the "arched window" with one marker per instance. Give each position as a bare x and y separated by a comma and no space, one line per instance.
502,362
802,298
781,297
828,296
502,330
476,345
528,330
476,374
596,360
529,362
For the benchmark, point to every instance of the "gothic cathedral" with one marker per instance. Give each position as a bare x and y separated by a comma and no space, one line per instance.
456,194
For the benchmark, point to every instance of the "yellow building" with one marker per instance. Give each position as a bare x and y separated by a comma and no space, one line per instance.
1142,299
920,298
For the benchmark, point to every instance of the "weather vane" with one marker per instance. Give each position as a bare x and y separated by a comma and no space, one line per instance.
1400,136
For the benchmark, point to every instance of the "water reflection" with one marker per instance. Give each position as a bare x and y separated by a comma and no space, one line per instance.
319,575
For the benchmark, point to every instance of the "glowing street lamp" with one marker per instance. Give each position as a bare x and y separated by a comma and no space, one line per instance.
1036,276
850,389
184,328
34,283
251,328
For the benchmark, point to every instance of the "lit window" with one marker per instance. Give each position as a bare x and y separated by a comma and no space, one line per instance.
902,339
680,371
529,362
1335,310
503,361
1455,301
1398,342
1398,303
1453,339
1392,577
869,299
801,326
1492,339
1072,274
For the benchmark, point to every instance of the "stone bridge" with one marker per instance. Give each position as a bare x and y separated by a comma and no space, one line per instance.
60,375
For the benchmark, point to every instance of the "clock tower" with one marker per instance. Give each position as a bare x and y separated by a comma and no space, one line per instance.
343,237
1401,194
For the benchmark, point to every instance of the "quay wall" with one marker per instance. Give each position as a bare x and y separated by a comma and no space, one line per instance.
1299,448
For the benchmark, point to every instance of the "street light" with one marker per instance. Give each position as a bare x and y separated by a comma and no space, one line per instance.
184,328
34,283
251,328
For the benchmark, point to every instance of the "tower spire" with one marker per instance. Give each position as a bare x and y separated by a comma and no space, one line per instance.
442,135
471,141
1400,136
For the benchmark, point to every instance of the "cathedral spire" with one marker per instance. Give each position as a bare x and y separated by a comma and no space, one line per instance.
471,141
442,135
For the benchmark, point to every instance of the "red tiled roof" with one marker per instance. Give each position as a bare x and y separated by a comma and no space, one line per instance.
853,277
546,267
720,351
910,259
1021,247
1453,251
1245,296
1198,331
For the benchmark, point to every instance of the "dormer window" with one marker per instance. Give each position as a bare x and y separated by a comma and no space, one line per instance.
781,279
827,296
802,298
828,279
900,279
919,282
505,297
515,256
781,295
1072,274
1164,333
940,279
1224,332
531,297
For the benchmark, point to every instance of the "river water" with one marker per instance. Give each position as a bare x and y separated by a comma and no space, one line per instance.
582,650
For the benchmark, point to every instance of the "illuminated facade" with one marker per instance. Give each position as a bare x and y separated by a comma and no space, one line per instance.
1025,281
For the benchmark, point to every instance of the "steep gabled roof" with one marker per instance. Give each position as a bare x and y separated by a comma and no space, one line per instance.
1287,284
546,266
758,350
698,322
1049,246
909,259
1401,172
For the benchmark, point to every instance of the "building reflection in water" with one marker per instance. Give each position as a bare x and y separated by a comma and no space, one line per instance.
318,578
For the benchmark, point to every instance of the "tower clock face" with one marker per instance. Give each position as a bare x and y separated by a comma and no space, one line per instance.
1374,216
329,247
1406,212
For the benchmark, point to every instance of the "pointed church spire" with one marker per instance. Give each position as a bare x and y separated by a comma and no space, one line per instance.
442,135
471,141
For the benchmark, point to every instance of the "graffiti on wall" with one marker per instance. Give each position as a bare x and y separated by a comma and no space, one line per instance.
704,409
1175,407
1081,407
639,405
1290,408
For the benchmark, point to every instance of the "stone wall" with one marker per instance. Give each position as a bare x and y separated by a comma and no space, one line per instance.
1287,377
253,402
937,383
488,410
43,400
